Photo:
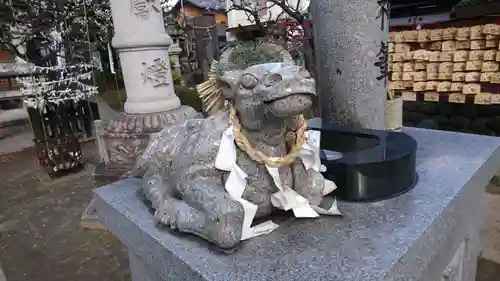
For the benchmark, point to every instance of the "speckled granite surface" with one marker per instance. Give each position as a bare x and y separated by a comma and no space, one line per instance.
349,60
411,237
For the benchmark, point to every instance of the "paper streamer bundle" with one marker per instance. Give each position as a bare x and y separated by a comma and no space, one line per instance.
286,198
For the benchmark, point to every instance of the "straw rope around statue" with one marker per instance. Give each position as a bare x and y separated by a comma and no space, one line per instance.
213,100
295,141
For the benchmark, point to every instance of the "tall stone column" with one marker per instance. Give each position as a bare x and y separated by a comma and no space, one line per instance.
142,44
350,46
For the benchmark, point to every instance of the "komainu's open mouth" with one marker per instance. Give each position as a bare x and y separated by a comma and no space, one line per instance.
270,101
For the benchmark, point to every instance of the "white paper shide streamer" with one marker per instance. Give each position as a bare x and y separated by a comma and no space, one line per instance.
286,198
38,93
111,60
235,186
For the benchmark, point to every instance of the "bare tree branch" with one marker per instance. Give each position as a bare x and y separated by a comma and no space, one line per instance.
292,12
293,28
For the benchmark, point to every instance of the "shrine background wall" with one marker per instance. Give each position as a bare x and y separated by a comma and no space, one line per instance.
433,109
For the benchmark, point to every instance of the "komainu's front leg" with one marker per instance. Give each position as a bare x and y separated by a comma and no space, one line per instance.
223,216
169,210
308,183
198,206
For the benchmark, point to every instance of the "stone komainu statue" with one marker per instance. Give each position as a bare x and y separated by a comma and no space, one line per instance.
259,92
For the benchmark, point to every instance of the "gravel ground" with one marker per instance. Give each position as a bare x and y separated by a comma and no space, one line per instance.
40,236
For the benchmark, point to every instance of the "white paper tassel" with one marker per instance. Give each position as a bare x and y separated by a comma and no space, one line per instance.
111,61
235,186
97,61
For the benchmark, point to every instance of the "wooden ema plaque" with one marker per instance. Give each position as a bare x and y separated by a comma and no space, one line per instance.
428,60
483,98
495,99
409,96
431,96
456,98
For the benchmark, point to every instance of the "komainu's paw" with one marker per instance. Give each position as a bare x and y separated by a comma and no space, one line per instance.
225,230
309,184
167,215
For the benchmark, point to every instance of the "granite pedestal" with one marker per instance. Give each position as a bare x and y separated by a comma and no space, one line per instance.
425,234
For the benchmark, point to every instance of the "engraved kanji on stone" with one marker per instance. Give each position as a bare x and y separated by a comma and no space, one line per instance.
383,61
383,12
156,73
142,8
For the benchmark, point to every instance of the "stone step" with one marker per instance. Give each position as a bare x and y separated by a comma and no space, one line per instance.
13,117
90,220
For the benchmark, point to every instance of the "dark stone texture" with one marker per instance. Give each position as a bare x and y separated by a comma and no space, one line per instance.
428,124
429,108
446,109
490,133
411,237
441,120
494,123
489,110
469,111
459,122
415,117
410,106
375,165
480,125
469,118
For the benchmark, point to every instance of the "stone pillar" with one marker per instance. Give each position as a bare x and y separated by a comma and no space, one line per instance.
175,53
142,44
350,45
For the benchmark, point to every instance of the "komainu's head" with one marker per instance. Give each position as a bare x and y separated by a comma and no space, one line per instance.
264,84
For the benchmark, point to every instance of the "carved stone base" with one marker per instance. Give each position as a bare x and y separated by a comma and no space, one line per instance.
150,123
122,141
107,174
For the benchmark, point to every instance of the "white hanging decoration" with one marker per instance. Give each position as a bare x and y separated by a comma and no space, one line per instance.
97,61
68,68
38,93
286,198
236,184
111,60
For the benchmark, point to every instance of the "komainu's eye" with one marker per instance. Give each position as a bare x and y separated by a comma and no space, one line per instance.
248,81
272,79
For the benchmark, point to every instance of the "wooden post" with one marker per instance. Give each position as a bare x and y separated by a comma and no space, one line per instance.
207,42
